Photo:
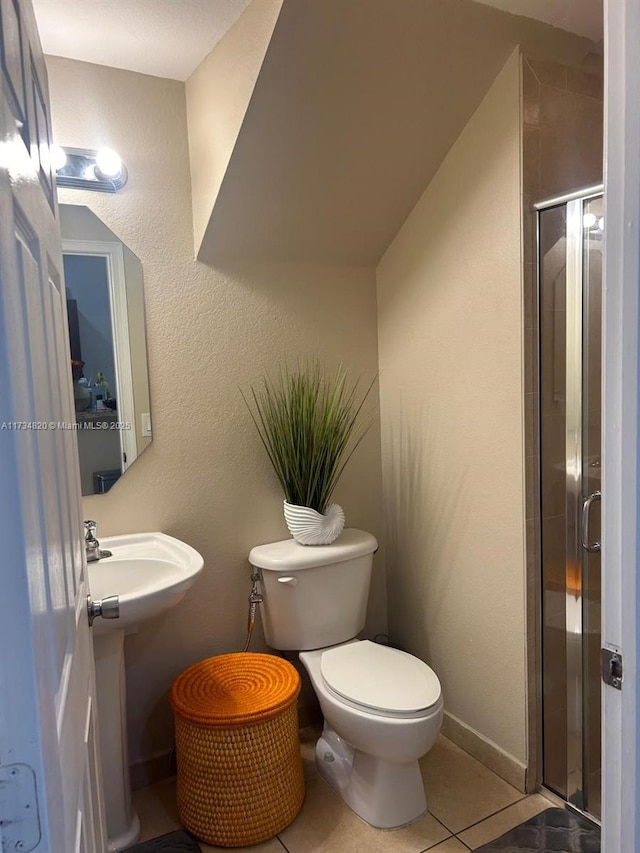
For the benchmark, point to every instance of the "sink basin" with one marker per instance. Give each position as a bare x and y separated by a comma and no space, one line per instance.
149,572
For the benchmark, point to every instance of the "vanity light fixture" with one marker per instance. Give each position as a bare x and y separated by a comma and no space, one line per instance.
58,157
86,169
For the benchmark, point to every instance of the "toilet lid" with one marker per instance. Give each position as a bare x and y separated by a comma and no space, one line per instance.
380,677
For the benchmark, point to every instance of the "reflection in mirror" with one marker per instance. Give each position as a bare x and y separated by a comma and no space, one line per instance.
105,306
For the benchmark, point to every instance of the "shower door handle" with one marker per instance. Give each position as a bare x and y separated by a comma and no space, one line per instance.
592,547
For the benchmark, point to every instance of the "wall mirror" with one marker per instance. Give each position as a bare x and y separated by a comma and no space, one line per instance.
108,357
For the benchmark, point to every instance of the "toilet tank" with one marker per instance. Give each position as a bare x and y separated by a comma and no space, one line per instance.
314,595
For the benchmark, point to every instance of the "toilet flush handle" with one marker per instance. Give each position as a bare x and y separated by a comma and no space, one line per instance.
288,581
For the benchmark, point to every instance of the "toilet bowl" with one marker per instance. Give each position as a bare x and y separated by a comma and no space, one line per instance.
383,711
382,707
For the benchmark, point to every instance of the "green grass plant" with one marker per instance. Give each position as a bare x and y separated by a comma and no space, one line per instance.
310,426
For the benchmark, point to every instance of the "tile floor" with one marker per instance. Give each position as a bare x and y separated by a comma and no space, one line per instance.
468,806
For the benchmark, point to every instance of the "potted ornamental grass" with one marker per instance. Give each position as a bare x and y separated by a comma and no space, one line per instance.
310,425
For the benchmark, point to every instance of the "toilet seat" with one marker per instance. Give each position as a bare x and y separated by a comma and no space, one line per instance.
380,679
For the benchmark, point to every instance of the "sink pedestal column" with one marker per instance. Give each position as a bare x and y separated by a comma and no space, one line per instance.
123,825
150,573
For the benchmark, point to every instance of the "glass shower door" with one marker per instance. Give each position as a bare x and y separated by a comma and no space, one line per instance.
570,255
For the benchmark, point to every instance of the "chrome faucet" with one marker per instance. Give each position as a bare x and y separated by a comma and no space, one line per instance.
91,544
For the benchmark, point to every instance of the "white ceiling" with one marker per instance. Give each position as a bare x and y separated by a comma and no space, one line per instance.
165,38
583,17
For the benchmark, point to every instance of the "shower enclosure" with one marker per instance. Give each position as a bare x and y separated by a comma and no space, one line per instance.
570,234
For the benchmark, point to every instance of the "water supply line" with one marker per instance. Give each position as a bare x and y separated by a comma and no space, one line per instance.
255,598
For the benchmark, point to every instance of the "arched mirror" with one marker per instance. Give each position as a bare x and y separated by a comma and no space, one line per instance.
108,348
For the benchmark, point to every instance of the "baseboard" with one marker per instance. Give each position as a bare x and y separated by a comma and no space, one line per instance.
148,771
488,753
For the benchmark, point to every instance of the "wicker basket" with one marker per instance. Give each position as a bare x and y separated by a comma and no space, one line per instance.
240,777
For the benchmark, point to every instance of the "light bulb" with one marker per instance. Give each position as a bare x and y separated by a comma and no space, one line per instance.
601,223
108,163
58,157
589,220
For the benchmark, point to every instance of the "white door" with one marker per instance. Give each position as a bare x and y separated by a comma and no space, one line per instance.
50,796
621,424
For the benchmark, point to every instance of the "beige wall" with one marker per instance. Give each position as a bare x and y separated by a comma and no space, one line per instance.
218,94
205,478
450,339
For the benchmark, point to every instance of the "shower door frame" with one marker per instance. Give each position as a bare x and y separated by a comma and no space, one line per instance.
574,203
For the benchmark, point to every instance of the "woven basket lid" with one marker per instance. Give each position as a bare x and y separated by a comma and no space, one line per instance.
235,689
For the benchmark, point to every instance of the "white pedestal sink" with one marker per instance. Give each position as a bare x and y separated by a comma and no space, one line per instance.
150,572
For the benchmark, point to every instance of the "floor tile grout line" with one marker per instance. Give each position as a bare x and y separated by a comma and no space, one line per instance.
437,820
493,814
450,834
442,840
444,824
284,846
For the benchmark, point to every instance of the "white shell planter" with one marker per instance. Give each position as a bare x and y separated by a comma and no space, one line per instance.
309,527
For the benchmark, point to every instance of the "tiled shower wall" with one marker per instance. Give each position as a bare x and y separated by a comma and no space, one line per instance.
562,151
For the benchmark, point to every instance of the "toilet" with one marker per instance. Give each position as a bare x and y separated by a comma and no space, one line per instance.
382,707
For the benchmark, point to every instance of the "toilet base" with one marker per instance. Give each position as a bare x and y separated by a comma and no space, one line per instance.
383,794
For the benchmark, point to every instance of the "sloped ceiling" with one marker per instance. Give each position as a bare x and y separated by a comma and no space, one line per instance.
356,105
